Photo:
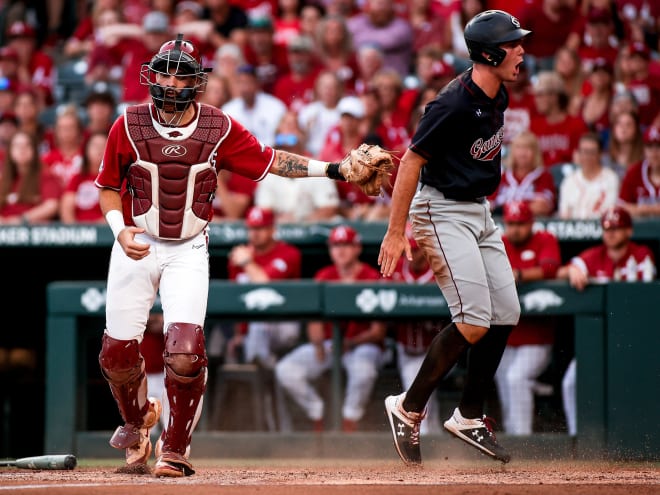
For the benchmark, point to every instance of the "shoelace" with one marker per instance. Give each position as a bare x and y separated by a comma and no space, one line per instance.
416,419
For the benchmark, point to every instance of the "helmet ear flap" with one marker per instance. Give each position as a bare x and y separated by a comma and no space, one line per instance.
486,54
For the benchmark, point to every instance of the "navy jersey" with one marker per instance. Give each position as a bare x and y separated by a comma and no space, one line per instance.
460,136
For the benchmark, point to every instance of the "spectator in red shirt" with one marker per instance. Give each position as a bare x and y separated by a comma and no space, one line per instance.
534,255
269,60
296,88
36,68
100,110
65,156
525,178
634,65
625,144
362,341
27,108
518,115
551,22
558,131
640,189
594,34
598,94
335,50
29,193
263,259
80,200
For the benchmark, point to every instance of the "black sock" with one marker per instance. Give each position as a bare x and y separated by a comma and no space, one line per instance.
445,349
483,359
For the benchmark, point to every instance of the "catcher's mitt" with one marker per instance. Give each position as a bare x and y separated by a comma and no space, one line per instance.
367,167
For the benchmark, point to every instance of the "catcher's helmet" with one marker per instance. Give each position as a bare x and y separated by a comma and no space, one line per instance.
488,30
175,57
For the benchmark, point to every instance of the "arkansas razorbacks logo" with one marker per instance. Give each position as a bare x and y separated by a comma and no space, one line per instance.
487,150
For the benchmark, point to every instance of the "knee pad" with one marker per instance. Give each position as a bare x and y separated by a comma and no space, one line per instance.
120,360
185,350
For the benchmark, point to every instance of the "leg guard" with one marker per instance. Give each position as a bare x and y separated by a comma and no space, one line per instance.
122,366
185,383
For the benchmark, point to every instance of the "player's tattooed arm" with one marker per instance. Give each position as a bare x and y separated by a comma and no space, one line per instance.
289,164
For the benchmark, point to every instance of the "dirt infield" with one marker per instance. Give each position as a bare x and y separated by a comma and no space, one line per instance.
364,477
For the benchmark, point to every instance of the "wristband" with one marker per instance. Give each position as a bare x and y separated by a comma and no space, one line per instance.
115,220
332,171
316,168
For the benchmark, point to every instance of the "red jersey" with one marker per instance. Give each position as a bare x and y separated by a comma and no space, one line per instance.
542,249
647,94
637,187
282,262
549,35
536,184
558,140
87,208
518,115
64,167
296,92
237,151
330,274
637,265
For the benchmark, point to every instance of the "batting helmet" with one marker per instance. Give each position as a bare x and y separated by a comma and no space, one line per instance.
175,57
488,30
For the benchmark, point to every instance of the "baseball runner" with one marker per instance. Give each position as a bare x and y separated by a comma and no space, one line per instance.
157,180
452,165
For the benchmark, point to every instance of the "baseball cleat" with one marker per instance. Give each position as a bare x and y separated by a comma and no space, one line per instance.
477,433
135,441
405,429
172,465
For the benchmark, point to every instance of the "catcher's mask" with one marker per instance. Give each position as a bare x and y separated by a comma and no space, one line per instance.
177,57
488,30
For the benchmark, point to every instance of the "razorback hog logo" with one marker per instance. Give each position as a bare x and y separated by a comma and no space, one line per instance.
262,299
174,150
541,299
488,149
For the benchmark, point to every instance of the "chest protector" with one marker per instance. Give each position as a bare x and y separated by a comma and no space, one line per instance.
173,181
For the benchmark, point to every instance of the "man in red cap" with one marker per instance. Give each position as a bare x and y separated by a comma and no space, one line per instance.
534,255
362,342
640,188
263,259
616,259
36,68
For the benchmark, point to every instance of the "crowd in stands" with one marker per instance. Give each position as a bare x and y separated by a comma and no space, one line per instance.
319,77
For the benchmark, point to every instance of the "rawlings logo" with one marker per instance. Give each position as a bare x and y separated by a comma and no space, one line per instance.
488,149
515,22
175,150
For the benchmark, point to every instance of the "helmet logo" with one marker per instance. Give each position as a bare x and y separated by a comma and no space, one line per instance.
515,22
174,150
